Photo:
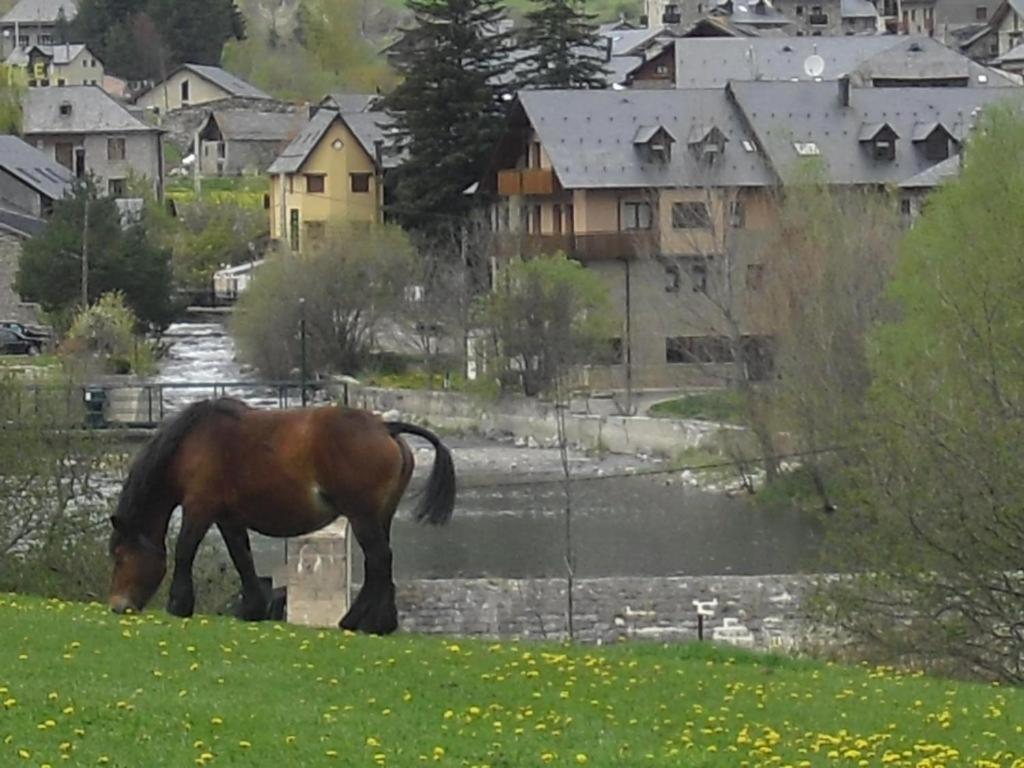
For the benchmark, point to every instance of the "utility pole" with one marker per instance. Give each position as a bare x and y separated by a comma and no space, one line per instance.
303,373
85,252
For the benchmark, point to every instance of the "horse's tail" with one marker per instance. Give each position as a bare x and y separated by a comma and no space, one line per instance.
150,467
439,496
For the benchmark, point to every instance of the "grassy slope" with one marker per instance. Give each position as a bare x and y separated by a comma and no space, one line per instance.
718,406
151,690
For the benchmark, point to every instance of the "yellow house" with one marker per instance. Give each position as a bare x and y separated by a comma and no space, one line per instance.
330,174
56,65
192,84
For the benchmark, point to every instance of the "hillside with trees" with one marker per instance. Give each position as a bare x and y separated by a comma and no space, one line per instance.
146,39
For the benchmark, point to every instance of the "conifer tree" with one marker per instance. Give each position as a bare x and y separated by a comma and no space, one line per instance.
449,108
566,49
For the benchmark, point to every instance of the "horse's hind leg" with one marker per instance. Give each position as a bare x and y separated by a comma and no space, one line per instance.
374,607
182,599
254,603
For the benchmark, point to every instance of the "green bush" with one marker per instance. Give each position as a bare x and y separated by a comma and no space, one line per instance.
106,331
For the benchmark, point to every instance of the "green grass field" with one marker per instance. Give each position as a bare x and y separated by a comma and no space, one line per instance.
79,686
718,406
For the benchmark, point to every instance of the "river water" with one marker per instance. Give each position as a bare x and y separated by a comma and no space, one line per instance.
509,519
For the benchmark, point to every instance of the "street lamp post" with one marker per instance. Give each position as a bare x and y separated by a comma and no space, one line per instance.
303,371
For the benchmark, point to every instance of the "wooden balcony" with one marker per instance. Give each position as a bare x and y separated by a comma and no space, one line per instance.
527,181
590,246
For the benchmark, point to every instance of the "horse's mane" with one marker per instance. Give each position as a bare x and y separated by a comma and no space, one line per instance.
148,471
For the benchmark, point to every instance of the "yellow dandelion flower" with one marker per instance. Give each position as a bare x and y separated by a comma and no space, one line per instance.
244,744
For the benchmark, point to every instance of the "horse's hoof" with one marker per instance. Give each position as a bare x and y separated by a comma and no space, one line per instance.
254,612
381,621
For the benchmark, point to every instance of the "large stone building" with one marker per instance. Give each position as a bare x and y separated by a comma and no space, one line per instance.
872,61
86,131
666,195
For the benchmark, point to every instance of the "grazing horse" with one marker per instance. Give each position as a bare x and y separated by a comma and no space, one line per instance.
282,473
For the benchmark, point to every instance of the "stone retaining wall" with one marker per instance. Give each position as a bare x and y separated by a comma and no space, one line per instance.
536,420
752,611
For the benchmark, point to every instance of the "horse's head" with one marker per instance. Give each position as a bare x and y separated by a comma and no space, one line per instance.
139,567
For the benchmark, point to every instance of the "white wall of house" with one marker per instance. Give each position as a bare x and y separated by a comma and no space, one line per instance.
171,94
102,156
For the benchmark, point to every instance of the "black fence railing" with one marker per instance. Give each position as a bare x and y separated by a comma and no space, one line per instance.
146,404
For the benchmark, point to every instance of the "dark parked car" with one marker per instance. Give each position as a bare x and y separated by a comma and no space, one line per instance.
14,343
43,335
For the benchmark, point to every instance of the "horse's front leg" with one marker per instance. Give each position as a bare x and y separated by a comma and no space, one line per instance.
254,603
374,608
182,599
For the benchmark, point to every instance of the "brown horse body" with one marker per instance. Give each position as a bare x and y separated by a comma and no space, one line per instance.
281,473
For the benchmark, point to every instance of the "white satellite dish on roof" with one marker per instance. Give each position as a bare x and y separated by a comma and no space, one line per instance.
814,65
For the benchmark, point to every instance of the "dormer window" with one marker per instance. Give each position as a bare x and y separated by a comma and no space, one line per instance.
65,108
653,143
881,141
707,142
935,140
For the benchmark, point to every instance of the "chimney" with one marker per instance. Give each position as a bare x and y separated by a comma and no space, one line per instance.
844,91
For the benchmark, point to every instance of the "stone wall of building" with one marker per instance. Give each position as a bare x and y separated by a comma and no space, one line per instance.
761,612
11,306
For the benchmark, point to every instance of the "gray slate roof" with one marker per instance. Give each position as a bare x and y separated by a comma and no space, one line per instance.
712,62
784,115
932,177
349,102
629,42
1015,54
92,111
20,224
253,125
28,11
368,127
61,54
223,79
589,136
857,9
32,167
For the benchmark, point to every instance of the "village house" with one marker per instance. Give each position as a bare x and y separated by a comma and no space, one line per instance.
30,182
667,194
34,22
194,84
15,229
640,186
85,130
55,65
234,142
332,173
871,61
753,18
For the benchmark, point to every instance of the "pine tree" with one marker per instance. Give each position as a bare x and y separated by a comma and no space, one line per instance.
566,49
449,109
